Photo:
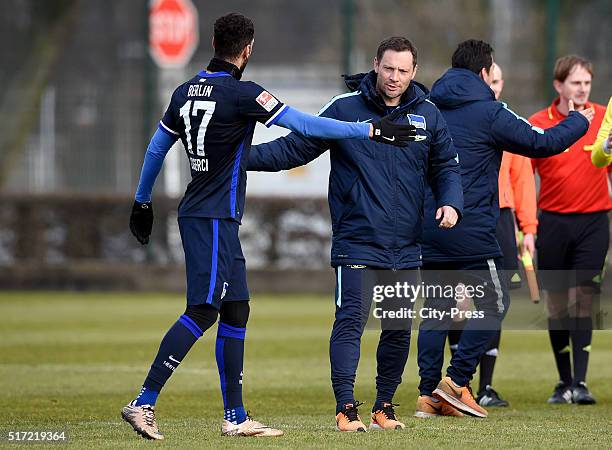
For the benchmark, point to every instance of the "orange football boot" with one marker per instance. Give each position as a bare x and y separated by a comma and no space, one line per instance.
432,407
385,419
348,419
460,397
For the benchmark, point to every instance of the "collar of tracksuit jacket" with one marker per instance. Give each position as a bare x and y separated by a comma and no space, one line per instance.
459,86
366,84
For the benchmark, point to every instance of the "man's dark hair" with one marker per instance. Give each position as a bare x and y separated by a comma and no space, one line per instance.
397,44
565,65
232,33
473,55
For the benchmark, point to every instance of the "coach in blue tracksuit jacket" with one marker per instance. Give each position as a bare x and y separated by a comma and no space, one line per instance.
376,196
481,128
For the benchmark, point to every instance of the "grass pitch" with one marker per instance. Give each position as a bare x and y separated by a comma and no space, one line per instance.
72,360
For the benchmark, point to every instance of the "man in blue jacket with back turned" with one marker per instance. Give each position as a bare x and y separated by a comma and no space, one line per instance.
469,254
376,198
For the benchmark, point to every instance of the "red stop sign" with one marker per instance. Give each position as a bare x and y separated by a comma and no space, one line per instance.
173,32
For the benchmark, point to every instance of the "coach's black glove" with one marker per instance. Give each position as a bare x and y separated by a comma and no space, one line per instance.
387,131
141,221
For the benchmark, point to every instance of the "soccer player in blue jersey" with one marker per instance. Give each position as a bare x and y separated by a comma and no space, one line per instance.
214,115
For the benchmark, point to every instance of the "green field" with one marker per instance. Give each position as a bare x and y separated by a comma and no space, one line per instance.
71,361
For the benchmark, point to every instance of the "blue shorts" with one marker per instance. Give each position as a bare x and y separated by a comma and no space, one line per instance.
215,265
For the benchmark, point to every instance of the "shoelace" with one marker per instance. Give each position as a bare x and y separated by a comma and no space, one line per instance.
351,412
149,416
388,410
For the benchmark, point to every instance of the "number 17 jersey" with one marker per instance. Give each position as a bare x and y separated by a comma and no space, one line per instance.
214,115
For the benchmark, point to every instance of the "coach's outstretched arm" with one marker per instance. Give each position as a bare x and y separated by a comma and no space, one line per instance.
308,141
291,151
516,134
285,153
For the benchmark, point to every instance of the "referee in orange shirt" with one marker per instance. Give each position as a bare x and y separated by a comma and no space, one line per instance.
573,232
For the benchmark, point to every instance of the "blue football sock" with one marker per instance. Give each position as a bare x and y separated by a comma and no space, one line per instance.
173,348
230,355
235,415
146,397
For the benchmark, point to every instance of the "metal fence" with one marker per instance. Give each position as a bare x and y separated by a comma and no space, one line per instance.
82,96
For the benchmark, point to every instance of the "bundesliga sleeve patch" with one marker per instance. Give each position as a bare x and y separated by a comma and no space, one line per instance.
267,101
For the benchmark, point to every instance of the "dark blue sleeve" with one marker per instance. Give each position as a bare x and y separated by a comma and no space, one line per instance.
516,135
444,174
161,142
285,153
322,127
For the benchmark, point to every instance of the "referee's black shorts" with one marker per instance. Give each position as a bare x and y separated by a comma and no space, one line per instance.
506,237
572,249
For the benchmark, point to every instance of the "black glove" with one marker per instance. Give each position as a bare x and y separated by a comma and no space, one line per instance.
141,221
386,131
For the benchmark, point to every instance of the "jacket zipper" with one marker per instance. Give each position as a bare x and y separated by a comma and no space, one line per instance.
395,206
395,183
407,107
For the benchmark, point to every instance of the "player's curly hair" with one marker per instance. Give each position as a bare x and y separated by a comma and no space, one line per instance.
232,32
473,55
